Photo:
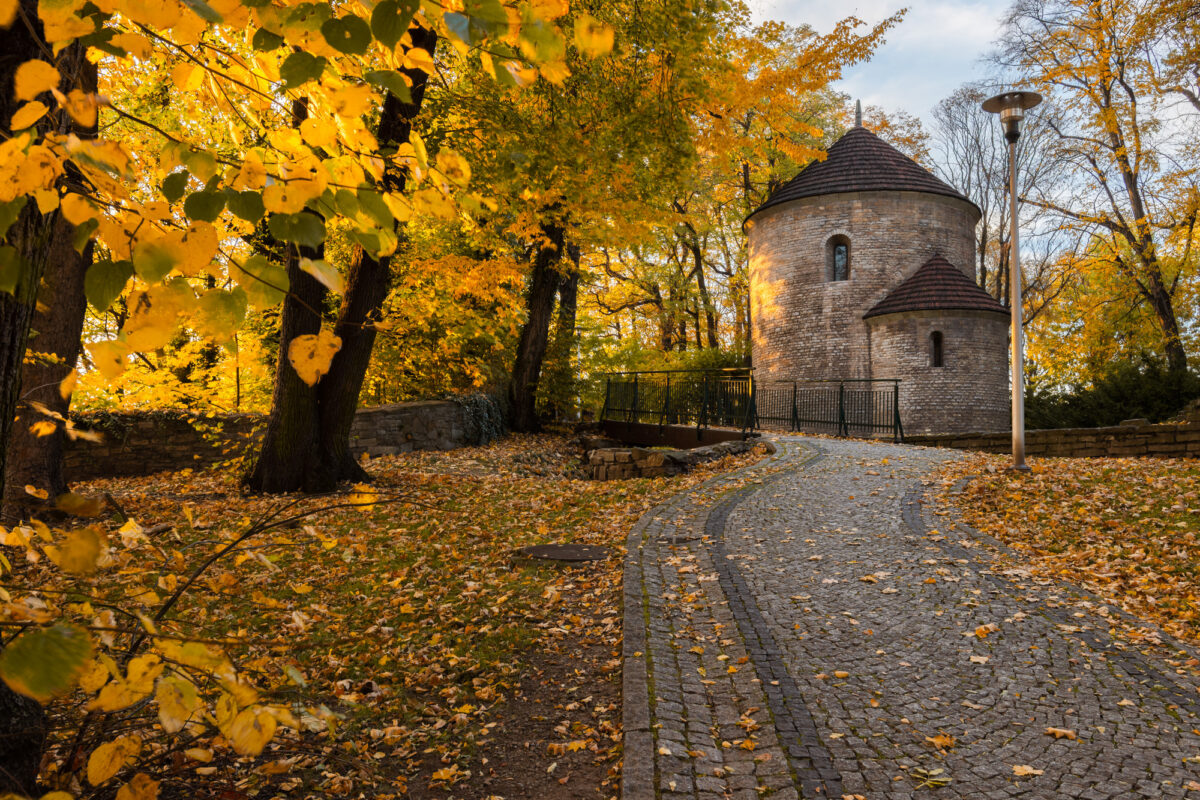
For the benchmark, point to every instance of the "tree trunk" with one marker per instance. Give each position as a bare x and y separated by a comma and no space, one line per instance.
289,445
535,333
22,720
53,349
710,310
22,737
54,342
337,393
307,442
559,383
1164,310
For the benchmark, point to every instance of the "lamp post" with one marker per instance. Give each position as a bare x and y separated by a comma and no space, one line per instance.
1011,106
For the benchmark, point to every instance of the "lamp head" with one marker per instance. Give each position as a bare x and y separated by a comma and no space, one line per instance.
1011,106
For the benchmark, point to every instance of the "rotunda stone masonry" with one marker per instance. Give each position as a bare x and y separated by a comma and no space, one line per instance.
862,266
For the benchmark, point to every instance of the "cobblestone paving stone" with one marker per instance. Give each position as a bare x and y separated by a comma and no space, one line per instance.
805,628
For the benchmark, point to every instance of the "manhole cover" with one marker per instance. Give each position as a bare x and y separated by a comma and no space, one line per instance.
565,552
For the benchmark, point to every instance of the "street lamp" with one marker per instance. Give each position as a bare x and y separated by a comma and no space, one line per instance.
1011,106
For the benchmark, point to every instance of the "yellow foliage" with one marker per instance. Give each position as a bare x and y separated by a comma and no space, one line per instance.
310,356
34,77
140,787
28,114
108,759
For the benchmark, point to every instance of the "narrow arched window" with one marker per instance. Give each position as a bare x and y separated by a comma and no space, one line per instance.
935,349
837,258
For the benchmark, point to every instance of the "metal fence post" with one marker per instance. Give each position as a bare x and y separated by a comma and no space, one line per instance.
633,408
843,429
607,395
702,418
896,434
795,411
666,405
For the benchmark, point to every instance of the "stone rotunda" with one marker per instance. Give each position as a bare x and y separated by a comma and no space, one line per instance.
863,266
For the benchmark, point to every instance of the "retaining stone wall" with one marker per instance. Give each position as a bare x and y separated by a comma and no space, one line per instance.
619,463
1169,440
142,443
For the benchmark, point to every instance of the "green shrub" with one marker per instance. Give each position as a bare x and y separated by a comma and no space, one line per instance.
1144,388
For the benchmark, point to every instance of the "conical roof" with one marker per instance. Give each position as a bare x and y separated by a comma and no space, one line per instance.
858,162
937,285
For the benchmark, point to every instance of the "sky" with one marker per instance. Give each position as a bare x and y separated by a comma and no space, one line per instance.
934,50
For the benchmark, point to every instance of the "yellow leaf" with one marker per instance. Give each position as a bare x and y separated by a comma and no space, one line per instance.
548,9
361,493
285,198
109,357
329,277
142,787
80,551
252,175
454,167
1061,733
40,494
61,23
107,759
8,12
177,703
251,730
201,754
33,78
317,133
142,672
94,676
133,43
943,741
310,356
42,428
154,315
555,71
28,114
356,100
187,77
78,209
78,505
82,107
592,37
1024,770
418,58
47,200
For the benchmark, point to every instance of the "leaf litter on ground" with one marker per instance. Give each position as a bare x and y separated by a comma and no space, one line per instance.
407,625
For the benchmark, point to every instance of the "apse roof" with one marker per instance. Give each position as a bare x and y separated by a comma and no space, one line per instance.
860,161
937,285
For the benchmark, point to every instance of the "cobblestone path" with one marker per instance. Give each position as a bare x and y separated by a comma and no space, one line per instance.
810,628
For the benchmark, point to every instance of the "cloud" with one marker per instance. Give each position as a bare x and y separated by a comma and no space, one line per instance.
935,49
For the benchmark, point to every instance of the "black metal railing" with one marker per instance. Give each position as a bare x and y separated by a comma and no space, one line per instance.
704,398
733,399
851,407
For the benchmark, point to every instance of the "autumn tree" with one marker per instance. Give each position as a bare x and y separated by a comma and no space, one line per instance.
972,156
1133,183
767,112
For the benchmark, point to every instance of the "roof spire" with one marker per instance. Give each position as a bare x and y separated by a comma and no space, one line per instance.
858,113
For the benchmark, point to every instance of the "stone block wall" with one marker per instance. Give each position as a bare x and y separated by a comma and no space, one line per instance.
808,327
143,443
1170,440
617,463
969,392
